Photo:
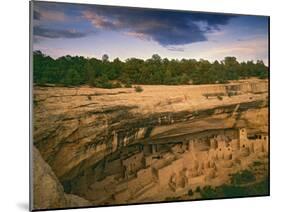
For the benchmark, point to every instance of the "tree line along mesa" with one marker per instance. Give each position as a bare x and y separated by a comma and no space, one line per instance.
77,70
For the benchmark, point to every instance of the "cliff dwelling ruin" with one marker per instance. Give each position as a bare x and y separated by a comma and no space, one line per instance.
143,171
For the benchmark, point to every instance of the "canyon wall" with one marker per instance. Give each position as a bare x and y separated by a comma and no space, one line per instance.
48,192
75,128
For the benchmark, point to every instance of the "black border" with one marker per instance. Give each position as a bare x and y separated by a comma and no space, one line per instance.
31,106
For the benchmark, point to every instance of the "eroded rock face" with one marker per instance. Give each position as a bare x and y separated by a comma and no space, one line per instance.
75,128
76,201
83,132
47,191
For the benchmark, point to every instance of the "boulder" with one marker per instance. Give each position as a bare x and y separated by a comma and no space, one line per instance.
47,191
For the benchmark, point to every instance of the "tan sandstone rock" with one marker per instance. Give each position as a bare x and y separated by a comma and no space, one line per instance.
47,190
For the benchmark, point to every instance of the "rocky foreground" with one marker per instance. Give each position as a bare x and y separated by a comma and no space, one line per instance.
75,128
48,191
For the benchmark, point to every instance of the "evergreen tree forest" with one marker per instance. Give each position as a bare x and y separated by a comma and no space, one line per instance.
103,73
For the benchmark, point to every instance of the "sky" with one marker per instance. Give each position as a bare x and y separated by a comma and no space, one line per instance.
61,29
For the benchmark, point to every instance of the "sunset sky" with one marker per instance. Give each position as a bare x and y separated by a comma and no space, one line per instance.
91,31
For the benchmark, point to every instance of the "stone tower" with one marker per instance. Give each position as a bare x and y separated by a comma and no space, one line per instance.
213,143
191,145
243,139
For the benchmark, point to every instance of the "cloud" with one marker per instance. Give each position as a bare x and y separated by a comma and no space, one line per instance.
99,21
138,35
53,16
36,15
244,49
177,49
37,39
165,27
57,33
50,15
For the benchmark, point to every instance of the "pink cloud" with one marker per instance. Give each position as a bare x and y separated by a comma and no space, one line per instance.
250,49
52,15
98,20
139,35
247,47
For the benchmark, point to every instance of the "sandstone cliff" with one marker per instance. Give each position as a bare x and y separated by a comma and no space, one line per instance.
47,191
75,128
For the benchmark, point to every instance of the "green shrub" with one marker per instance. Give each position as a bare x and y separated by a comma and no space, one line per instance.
190,192
198,189
260,188
117,85
138,89
101,83
35,103
242,177
172,198
208,193
257,163
128,85
104,85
